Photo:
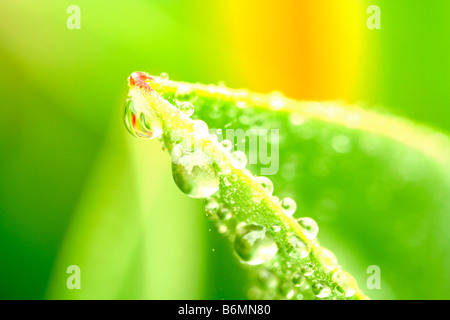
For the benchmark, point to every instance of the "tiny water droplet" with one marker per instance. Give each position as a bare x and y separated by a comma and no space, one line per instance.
276,228
186,108
289,206
266,279
227,144
211,205
224,214
164,75
287,290
308,269
140,120
309,226
266,183
321,289
254,245
238,159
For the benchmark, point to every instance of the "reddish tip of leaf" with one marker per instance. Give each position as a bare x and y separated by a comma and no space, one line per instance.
138,80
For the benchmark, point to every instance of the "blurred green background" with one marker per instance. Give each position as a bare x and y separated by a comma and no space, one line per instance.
76,188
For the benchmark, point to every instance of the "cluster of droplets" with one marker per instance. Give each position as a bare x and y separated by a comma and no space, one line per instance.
194,173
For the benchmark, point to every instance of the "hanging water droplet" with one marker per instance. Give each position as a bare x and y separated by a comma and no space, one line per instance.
193,172
139,118
266,183
186,108
200,182
289,206
299,248
321,289
254,245
309,226
238,159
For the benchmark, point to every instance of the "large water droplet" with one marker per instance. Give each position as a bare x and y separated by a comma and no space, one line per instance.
193,172
201,182
254,245
309,226
139,118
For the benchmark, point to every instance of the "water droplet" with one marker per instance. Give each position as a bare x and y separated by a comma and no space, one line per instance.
327,259
321,289
227,144
164,75
299,248
289,206
346,282
276,228
308,269
309,226
211,205
254,245
298,279
224,214
139,118
238,159
186,108
287,289
193,173
266,183
267,279
200,129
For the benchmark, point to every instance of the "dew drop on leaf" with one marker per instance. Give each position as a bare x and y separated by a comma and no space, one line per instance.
309,226
289,206
266,183
299,248
321,289
253,244
238,159
186,108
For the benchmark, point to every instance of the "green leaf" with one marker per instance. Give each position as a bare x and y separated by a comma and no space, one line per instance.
336,161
